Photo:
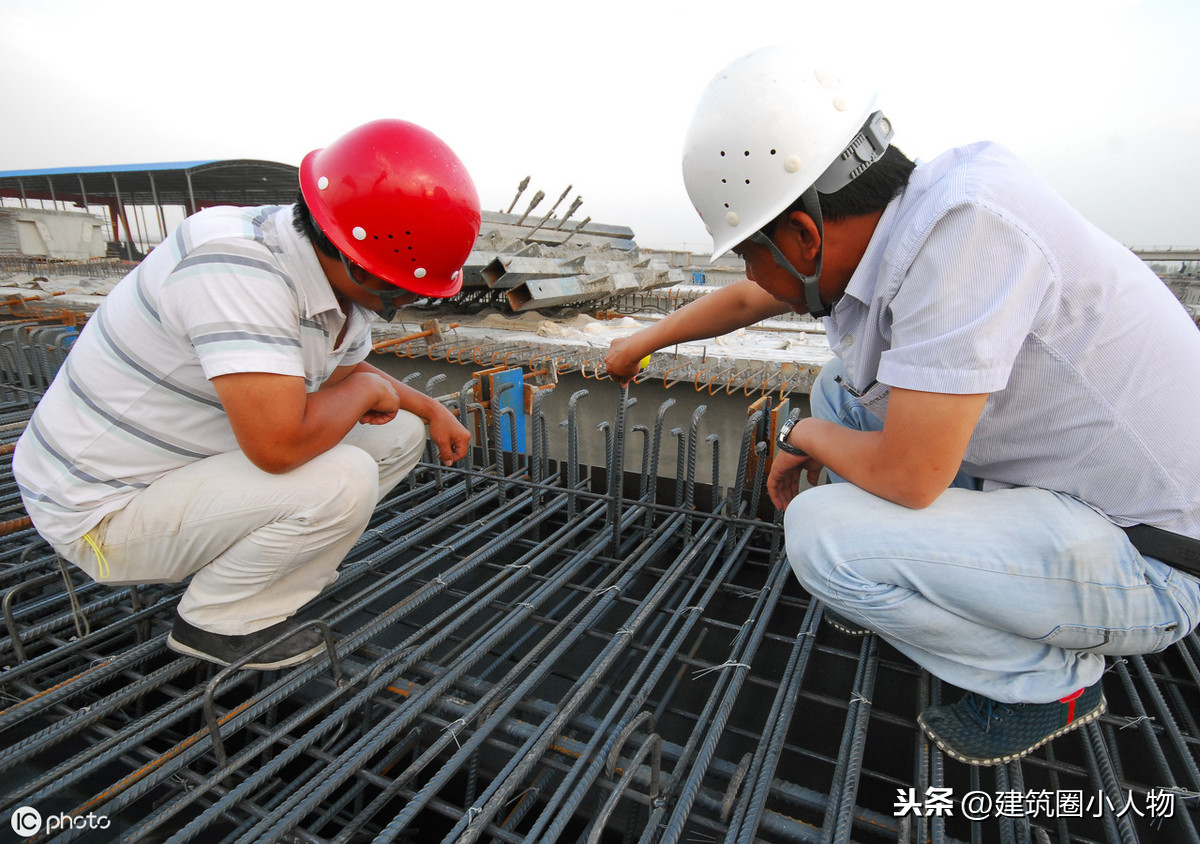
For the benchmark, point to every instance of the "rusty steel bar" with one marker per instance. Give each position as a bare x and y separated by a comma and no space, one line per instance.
527,654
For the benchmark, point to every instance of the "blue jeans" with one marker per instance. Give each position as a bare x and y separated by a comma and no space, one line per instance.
1015,594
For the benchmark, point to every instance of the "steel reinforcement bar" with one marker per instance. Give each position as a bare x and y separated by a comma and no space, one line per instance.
528,649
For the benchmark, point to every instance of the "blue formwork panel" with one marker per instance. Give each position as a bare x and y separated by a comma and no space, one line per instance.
507,392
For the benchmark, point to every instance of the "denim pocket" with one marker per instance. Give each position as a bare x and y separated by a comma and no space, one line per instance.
1103,640
875,399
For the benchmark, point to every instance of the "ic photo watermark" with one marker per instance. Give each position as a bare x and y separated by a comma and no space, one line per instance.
27,822
1157,803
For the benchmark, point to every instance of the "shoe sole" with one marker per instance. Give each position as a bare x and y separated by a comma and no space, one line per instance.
857,632
843,625
998,760
295,659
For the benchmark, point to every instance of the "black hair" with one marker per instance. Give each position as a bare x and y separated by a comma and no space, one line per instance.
878,185
303,222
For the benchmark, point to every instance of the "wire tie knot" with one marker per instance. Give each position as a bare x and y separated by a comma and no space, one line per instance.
453,729
1133,722
727,664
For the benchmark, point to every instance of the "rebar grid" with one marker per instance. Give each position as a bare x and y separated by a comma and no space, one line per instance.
527,650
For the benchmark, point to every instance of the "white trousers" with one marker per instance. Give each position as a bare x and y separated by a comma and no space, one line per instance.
257,546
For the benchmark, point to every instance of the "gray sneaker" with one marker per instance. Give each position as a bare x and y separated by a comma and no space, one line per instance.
981,731
225,650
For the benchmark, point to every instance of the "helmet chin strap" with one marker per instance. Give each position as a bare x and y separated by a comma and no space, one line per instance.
812,291
387,297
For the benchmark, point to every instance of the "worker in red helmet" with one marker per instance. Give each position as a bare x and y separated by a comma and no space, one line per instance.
217,418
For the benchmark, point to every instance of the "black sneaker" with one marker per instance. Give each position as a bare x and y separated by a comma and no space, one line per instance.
981,731
225,650
843,624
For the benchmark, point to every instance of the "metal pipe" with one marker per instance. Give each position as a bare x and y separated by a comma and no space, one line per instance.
533,203
520,190
749,809
682,622
838,817
576,230
542,222
574,206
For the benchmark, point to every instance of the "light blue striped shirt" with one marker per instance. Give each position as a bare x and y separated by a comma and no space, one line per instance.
981,279
231,290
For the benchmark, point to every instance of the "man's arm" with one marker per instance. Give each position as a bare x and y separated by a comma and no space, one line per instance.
280,426
910,462
447,433
726,309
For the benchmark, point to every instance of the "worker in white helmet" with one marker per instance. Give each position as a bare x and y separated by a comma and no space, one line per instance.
1012,388
218,419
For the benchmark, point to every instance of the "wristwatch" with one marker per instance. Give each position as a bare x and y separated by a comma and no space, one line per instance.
784,432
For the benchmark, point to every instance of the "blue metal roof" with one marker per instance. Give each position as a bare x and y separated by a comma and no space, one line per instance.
108,168
189,183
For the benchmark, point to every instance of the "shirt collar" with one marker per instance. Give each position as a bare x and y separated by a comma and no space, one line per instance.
862,281
300,258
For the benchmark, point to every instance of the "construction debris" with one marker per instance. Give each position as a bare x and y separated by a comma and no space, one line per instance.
526,266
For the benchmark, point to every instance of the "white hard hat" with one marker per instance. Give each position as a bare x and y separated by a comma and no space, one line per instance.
767,129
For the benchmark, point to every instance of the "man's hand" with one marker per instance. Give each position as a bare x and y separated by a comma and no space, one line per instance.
387,402
450,437
783,484
623,359
910,462
448,434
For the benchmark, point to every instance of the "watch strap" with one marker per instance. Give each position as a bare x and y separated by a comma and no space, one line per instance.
781,441
790,449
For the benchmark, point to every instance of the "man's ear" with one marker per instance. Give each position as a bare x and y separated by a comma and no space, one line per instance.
803,229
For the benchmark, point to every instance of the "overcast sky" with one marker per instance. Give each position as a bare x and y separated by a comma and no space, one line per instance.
1101,96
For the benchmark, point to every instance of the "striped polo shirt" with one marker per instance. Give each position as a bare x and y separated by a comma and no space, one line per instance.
231,290
980,279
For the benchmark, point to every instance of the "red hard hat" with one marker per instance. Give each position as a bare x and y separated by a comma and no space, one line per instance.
397,202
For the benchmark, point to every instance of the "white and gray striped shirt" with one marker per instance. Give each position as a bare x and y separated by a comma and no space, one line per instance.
231,290
981,279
